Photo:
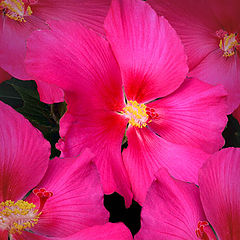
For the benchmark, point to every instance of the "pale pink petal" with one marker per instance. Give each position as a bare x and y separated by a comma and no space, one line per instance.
195,23
220,192
108,231
49,93
80,62
24,155
171,211
216,69
147,152
77,200
102,132
88,12
194,115
13,36
236,113
148,50
4,75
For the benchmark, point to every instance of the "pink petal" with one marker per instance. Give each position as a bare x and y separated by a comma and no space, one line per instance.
194,115
88,12
24,155
171,211
4,75
108,231
236,113
194,22
216,69
49,93
85,65
77,200
148,50
147,152
3,234
102,132
220,192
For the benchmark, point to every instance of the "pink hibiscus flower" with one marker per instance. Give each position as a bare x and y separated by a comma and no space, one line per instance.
177,210
108,231
68,196
170,121
210,32
21,17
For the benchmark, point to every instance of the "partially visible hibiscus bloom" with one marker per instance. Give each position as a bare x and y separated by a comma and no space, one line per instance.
210,32
170,122
67,195
178,210
21,17
108,231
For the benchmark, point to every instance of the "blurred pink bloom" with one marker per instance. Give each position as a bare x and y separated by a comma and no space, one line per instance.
172,123
177,210
210,32
68,195
108,231
21,17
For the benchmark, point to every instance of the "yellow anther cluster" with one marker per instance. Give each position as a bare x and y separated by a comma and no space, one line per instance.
15,9
227,45
17,216
136,113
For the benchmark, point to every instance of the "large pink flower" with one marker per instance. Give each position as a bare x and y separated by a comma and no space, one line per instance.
170,120
68,196
21,17
210,32
177,210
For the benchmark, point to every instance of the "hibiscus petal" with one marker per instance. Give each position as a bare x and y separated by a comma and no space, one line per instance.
77,200
194,22
148,50
171,211
194,115
102,132
24,155
4,75
90,13
49,93
236,113
216,69
147,152
79,61
220,192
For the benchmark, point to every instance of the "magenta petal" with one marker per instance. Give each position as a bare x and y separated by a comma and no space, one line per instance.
220,192
148,50
49,93
147,152
85,65
171,211
4,75
194,115
77,200
24,155
102,132
216,69
194,22
236,114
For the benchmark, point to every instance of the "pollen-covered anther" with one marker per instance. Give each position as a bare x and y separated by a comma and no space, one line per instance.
229,42
16,9
43,195
17,216
200,230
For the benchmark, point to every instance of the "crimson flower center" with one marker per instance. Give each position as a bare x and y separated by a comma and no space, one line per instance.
20,215
17,9
229,42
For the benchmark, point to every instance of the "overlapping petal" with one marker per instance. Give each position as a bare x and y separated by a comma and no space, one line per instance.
4,75
77,200
194,115
171,211
220,192
148,50
24,155
147,152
